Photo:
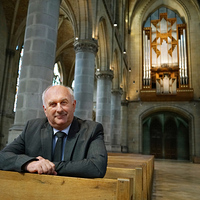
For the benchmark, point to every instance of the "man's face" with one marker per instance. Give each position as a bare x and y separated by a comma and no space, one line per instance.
59,107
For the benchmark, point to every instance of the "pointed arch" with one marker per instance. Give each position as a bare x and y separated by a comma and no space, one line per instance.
143,9
149,6
67,34
68,12
181,116
85,19
103,54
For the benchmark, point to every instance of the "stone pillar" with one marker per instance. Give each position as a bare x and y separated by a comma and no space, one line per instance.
116,120
124,125
38,61
103,104
6,100
84,77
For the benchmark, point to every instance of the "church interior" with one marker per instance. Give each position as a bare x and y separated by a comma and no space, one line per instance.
133,66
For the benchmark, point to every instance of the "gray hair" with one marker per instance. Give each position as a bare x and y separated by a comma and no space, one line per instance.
43,94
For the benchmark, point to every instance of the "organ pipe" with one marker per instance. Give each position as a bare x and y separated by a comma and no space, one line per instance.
180,59
146,60
183,58
182,55
185,53
144,55
149,64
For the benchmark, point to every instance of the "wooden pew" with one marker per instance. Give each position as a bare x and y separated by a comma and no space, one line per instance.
149,159
138,157
132,161
134,174
18,186
131,165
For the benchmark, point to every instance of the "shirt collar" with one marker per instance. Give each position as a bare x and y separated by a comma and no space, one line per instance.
66,130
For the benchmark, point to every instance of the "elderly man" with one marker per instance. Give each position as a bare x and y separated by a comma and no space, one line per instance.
59,144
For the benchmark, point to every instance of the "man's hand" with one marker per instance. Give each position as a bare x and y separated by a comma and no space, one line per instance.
42,166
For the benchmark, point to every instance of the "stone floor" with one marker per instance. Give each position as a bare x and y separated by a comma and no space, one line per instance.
176,180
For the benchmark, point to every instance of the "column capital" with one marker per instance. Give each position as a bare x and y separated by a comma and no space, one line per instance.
86,45
105,74
117,91
124,102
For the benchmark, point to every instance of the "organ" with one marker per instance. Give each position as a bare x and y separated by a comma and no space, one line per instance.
165,56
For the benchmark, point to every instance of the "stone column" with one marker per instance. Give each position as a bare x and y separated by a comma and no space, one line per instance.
116,120
6,100
38,61
84,77
103,104
124,125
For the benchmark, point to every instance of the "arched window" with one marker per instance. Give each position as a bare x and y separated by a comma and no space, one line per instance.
58,75
18,77
72,86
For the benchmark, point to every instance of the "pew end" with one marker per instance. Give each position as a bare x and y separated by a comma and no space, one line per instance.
134,174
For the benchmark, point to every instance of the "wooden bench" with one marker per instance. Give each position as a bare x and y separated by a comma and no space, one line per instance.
134,174
149,159
132,161
131,165
18,186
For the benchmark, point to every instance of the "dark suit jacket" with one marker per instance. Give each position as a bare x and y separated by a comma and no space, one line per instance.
84,156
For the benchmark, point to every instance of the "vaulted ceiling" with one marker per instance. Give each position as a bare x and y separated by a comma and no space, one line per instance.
15,12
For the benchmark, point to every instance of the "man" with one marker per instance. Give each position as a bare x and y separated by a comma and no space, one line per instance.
83,150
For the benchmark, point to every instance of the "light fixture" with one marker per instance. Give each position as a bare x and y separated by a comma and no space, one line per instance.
129,69
115,24
76,38
124,51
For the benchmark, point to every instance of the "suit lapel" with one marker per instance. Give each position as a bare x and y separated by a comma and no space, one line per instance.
46,140
71,139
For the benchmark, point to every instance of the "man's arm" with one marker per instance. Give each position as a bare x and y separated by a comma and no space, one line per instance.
24,153
13,157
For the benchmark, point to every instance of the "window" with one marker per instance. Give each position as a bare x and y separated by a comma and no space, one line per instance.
18,77
58,75
72,86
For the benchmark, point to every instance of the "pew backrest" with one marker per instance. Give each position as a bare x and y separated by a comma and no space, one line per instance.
19,186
